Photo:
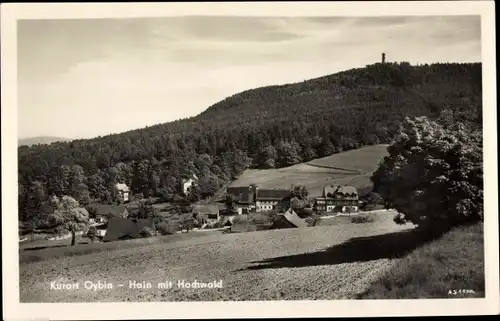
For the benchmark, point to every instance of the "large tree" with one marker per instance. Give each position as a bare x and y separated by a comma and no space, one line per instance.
299,191
230,202
69,217
33,205
288,153
188,222
146,210
433,175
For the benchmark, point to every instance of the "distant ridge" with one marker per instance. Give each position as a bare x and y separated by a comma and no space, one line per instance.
41,140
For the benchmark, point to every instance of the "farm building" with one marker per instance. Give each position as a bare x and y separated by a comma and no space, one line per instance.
338,198
123,192
210,211
105,212
252,199
245,198
124,228
289,219
272,199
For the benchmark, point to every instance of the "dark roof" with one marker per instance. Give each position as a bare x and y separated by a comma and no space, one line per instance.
205,209
243,194
347,191
282,223
291,218
272,194
110,210
122,228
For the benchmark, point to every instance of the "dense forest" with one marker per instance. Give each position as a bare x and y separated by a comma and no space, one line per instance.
267,127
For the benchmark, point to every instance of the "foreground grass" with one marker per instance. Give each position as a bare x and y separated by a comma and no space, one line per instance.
322,263
452,266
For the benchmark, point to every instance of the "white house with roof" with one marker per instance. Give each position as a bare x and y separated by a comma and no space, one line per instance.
338,198
123,192
188,183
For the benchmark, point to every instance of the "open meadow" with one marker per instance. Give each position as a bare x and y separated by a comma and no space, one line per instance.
352,168
323,262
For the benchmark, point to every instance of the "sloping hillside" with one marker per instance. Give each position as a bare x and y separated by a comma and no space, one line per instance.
268,127
352,168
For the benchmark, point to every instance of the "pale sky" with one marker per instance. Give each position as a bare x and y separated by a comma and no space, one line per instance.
90,77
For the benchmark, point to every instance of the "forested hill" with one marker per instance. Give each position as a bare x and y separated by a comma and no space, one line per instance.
271,126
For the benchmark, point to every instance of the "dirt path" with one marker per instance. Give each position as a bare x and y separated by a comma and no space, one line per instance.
326,262
347,170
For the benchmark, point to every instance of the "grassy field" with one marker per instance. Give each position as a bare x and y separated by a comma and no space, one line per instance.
352,168
53,250
450,267
42,244
362,160
323,262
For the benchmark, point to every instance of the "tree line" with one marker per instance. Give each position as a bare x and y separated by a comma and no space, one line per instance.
268,127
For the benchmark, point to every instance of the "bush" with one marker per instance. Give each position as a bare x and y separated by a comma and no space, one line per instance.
399,219
166,228
358,219
304,212
371,207
312,220
147,232
218,224
92,233
186,209
240,219
262,218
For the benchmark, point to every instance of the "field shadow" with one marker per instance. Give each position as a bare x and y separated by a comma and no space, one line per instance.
37,248
50,246
359,249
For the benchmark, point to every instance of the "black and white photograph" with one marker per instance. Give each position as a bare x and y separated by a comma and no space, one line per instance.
277,156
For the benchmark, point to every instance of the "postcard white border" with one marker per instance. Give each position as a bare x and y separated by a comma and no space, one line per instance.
14,310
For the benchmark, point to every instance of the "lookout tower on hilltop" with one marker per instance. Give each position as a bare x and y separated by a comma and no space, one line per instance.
383,57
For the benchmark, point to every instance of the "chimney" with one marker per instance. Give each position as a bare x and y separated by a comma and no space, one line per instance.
383,57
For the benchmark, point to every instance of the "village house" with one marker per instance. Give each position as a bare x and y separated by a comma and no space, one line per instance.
105,212
123,192
338,198
120,228
252,199
187,183
272,200
289,219
211,212
244,198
